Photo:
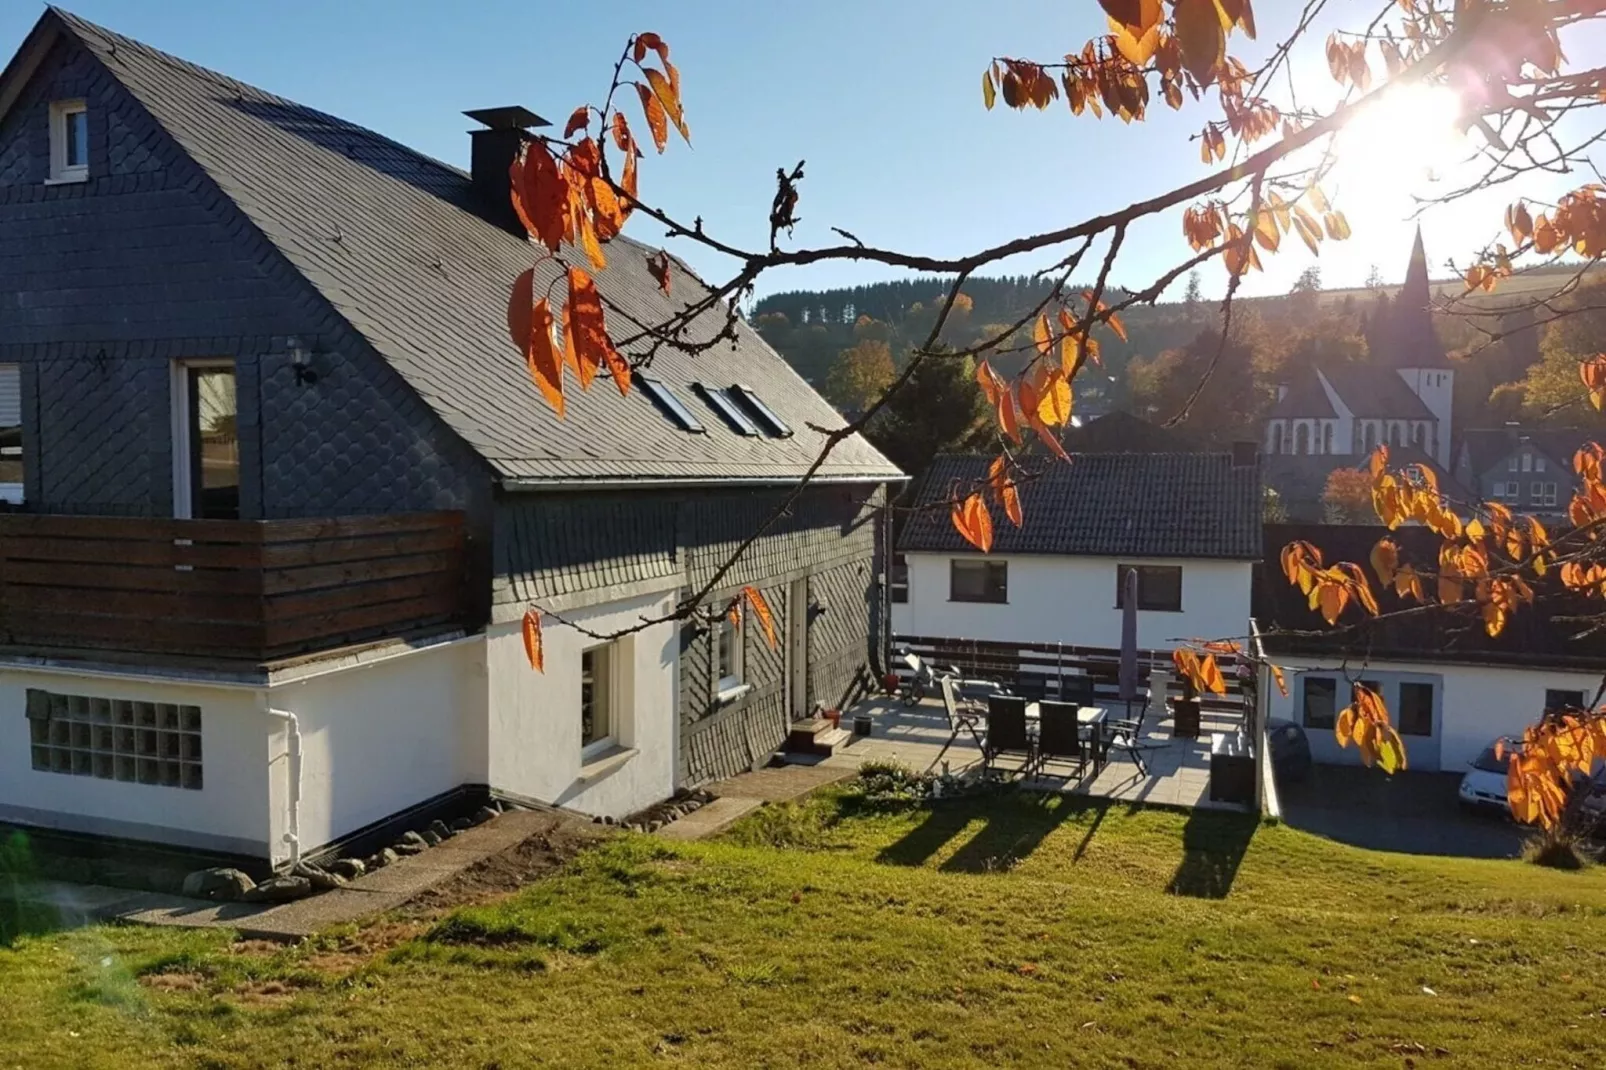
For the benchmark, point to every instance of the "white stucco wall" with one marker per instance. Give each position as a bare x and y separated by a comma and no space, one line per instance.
229,812
534,718
1476,705
376,739
1064,599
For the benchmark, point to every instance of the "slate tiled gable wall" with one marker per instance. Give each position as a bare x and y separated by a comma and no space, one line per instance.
104,283
549,545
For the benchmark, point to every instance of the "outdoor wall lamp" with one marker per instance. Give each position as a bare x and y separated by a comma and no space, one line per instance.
301,364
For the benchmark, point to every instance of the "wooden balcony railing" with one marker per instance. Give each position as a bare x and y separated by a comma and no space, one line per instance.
225,589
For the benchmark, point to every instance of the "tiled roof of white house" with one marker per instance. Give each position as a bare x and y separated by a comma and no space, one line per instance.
400,246
1104,504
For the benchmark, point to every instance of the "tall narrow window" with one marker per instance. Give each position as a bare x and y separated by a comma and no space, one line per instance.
1301,438
596,711
69,141
11,460
1276,437
206,472
729,655
1416,709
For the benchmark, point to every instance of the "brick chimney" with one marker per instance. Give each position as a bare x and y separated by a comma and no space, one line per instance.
494,150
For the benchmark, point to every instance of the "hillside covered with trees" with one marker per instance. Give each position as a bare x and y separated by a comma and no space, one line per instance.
851,342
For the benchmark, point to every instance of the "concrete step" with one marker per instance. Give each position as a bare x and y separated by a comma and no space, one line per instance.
817,737
707,820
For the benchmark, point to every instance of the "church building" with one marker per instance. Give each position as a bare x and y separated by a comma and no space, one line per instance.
1345,410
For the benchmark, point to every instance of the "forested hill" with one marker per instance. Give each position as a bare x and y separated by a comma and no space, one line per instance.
991,299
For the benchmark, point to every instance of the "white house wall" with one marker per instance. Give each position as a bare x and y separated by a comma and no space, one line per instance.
1477,704
1065,599
376,739
228,813
534,727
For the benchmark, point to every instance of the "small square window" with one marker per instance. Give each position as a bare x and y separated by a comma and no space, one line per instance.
1416,709
1320,702
978,581
1558,699
69,141
1159,587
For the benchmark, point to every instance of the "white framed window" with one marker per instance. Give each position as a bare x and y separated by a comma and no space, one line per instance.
1542,493
206,446
69,141
728,657
155,743
1513,464
1527,462
598,729
11,457
1539,464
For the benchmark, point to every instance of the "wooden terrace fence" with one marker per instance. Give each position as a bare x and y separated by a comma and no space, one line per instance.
1045,663
225,589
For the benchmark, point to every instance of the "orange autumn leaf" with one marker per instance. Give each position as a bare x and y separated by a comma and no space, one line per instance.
1054,400
532,640
657,118
658,268
542,357
1200,36
1041,336
647,39
1210,676
577,121
1005,491
1008,419
766,619
583,321
1593,373
668,95
621,133
974,523
1385,560
1282,681
540,195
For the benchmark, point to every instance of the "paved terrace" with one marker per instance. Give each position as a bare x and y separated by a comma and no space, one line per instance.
1179,768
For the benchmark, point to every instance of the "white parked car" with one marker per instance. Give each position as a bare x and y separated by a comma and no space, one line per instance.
1484,785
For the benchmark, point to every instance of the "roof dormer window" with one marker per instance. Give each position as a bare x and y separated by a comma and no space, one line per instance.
69,141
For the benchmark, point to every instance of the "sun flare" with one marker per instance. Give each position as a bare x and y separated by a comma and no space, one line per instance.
1394,147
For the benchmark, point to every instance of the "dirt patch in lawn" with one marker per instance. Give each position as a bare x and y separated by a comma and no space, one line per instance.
506,872
174,982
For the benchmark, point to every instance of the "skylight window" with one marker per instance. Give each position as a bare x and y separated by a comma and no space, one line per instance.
668,401
766,415
722,404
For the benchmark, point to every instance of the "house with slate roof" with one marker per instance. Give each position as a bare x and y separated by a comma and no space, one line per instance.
1526,468
1450,687
280,490
1188,523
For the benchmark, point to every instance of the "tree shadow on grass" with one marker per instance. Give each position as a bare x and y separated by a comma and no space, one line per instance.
1012,832
1213,846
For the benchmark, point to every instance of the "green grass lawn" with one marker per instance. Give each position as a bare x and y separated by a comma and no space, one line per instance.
1017,931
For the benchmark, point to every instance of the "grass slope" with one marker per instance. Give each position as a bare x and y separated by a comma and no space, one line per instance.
1017,932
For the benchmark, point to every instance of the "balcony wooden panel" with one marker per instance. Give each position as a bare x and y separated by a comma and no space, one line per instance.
252,591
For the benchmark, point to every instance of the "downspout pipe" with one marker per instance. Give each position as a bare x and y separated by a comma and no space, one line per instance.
292,834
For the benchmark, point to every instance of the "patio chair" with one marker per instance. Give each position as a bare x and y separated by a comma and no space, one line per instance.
1061,739
1077,690
1125,733
1007,733
962,717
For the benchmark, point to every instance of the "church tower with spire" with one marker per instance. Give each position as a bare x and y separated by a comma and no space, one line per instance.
1408,343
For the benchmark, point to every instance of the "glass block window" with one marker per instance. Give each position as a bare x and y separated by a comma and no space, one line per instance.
156,743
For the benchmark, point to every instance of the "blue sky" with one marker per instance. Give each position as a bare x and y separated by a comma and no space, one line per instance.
880,96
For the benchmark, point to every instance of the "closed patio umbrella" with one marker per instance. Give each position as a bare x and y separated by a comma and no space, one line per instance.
1129,635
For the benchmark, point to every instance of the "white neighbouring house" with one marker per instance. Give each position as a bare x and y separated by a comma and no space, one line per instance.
1450,688
1188,522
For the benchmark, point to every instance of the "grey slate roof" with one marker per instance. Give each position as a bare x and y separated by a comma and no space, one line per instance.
1376,393
1305,399
1122,432
1488,447
1104,504
395,242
